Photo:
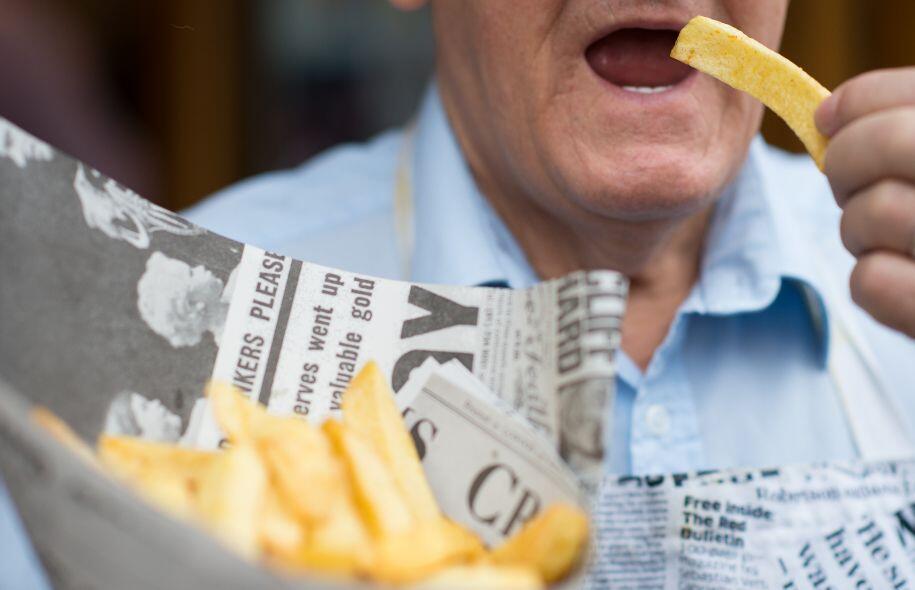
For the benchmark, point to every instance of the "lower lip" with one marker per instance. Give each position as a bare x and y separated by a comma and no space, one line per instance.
649,95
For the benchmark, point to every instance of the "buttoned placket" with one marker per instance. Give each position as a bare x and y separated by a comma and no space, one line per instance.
665,433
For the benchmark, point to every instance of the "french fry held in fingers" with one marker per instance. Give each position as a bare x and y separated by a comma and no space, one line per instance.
727,54
347,500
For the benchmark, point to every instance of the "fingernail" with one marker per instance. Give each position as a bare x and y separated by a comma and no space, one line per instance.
825,116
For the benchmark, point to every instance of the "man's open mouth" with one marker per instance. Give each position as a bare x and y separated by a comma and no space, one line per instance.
638,60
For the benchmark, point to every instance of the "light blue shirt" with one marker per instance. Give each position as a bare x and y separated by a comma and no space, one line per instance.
741,378
19,565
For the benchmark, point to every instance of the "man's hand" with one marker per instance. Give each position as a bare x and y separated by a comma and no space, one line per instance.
870,164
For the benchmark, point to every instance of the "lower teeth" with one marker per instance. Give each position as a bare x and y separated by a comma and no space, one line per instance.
647,89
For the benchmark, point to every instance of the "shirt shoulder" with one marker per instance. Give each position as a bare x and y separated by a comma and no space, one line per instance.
807,212
804,192
806,196
336,209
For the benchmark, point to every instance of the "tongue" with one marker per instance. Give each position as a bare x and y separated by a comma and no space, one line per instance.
637,57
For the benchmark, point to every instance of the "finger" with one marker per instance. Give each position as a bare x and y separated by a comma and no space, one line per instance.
883,283
864,95
881,216
881,145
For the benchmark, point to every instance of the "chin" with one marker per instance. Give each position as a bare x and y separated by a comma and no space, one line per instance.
651,182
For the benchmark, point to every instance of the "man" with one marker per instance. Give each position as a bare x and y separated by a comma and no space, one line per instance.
558,135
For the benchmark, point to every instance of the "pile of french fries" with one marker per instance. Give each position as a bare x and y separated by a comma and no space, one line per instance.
348,499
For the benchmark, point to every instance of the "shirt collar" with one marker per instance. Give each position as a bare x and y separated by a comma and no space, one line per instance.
459,238
754,246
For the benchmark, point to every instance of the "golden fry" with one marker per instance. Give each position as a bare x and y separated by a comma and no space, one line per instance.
727,54
348,500
282,536
551,543
426,548
378,497
231,499
340,544
168,490
297,455
369,410
168,476
129,456
301,462
233,411
466,543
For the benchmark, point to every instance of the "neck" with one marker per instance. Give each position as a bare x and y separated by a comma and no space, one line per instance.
661,258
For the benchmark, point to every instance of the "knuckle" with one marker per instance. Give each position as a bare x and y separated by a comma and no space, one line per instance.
868,280
872,79
884,202
848,102
857,94
898,129
830,164
847,231
841,148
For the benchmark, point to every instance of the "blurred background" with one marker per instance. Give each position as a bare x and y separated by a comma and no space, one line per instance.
178,98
